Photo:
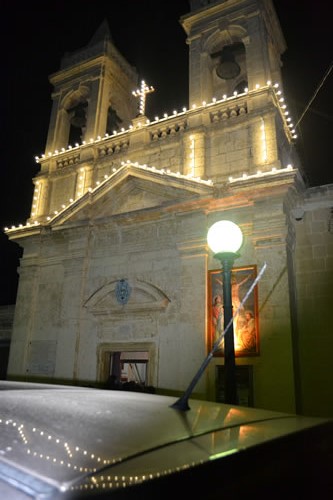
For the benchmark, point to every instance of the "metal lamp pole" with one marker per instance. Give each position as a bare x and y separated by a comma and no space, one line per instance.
225,239
230,383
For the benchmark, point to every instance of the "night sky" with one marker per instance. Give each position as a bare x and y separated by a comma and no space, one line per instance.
36,35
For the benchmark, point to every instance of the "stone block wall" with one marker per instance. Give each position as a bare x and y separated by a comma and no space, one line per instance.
314,278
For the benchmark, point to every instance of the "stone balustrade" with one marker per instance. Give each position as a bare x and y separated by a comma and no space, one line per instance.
228,110
166,129
68,159
112,146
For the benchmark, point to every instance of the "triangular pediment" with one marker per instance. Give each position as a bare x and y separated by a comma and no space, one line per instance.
131,189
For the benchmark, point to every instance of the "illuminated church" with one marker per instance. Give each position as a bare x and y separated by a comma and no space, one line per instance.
116,269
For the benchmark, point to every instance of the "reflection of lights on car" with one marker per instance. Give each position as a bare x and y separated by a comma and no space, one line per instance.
105,481
31,443
68,442
222,454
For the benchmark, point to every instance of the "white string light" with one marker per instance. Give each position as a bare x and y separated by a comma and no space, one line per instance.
141,93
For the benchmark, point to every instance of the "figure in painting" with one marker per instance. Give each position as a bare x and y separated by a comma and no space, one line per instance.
244,323
217,317
235,287
246,332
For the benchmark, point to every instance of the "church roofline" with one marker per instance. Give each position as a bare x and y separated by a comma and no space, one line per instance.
217,9
101,45
273,178
274,88
128,168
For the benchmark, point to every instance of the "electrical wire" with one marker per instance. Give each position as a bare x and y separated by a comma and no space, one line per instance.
315,94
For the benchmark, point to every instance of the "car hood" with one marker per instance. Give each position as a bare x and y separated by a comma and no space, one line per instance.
63,433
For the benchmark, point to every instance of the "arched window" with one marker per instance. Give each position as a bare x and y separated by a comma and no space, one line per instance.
78,121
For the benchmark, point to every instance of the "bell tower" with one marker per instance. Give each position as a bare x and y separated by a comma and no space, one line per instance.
92,93
233,45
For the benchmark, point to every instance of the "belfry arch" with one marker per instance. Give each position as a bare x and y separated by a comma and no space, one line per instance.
75,105
226,61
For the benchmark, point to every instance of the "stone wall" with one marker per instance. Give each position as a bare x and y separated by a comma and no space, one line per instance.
314,276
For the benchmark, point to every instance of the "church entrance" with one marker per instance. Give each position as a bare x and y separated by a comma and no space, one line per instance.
127,364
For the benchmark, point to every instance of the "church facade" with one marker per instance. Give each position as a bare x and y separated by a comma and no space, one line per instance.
116,265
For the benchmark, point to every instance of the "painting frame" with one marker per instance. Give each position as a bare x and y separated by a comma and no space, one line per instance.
246,322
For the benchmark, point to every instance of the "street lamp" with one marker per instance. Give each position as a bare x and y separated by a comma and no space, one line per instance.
225,239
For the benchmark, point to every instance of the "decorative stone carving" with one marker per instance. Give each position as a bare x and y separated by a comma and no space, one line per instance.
144,298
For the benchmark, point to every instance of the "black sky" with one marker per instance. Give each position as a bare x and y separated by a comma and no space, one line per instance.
36,35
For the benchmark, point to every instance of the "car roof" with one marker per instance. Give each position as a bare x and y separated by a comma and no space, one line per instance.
64,433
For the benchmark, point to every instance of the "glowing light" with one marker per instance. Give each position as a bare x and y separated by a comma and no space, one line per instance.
224,236
192,154
263,140
141,93
259,173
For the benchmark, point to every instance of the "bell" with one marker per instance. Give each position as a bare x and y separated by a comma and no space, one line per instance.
227,67
78,118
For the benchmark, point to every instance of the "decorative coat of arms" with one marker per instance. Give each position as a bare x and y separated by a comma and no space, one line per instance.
123,291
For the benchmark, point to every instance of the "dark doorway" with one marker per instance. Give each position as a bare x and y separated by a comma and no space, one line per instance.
4,355
130,366
244,376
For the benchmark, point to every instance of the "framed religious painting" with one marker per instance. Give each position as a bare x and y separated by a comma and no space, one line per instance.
246,333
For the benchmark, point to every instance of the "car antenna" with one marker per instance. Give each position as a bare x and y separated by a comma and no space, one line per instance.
182,402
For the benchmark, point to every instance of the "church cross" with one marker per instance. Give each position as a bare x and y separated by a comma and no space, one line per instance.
141,93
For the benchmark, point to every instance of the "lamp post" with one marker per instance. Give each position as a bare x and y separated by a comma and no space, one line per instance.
225,239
